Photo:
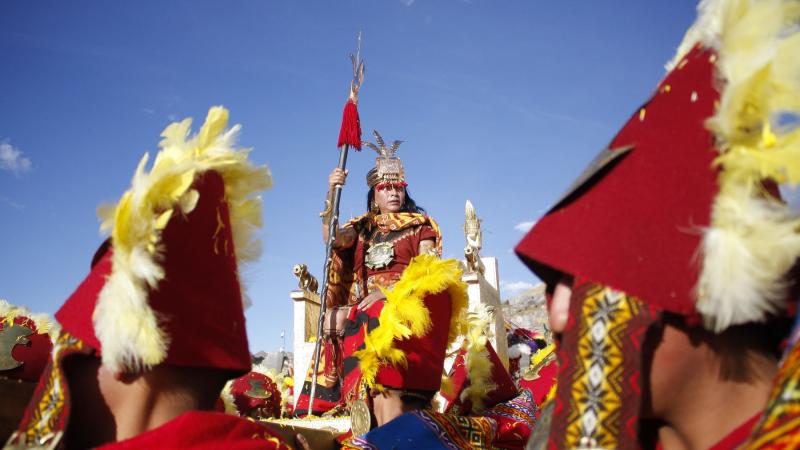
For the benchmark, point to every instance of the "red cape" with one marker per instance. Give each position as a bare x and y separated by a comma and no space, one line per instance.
199,430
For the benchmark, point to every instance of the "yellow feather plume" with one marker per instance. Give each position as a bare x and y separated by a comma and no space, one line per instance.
540,356
753,241
404,314
448,387
477,362
228,401
124,322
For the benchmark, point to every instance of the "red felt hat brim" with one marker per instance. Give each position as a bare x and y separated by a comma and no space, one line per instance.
199,301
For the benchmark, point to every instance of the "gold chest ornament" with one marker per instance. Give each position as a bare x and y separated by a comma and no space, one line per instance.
379,255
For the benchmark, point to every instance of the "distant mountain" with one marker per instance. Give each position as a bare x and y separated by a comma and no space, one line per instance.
527,309
279,361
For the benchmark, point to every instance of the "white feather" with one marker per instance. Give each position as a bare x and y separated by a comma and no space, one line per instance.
706,30
124,322
746,259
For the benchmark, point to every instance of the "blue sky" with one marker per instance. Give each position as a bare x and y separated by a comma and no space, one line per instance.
501,102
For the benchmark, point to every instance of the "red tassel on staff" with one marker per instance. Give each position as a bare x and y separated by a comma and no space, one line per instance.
350,133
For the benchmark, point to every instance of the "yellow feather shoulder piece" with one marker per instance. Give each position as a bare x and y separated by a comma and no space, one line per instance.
404,314
126,326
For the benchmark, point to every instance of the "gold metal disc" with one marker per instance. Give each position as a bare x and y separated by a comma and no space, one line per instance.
360,418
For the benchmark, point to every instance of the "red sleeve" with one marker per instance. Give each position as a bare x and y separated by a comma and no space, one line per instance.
426,232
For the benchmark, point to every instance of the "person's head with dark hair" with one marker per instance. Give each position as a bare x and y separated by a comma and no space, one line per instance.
388,191
140,358
406,205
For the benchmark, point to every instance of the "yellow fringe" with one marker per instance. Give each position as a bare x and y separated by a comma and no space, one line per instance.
127,327
404,314
227,399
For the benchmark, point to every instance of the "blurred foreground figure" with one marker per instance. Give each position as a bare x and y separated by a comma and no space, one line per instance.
669,261
155,330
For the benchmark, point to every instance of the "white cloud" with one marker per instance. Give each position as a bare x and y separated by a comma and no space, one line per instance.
514,287
407,2
525,226
12,160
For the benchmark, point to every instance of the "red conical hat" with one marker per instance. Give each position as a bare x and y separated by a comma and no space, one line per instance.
167,289
674,215
474,392
674,211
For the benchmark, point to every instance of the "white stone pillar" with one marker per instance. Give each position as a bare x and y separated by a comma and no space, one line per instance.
484,289
305,315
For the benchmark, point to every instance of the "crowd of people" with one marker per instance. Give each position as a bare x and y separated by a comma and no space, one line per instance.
671,267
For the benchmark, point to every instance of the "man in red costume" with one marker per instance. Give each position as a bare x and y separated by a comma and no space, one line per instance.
669,261
155,330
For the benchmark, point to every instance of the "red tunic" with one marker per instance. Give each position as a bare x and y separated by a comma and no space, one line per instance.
404,231
544,381
198,430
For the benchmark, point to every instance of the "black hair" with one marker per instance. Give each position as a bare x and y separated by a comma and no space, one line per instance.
414,400
409,205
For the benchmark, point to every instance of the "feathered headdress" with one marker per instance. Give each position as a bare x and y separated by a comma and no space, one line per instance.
388,167
689,183
753,239
131,322
261,388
